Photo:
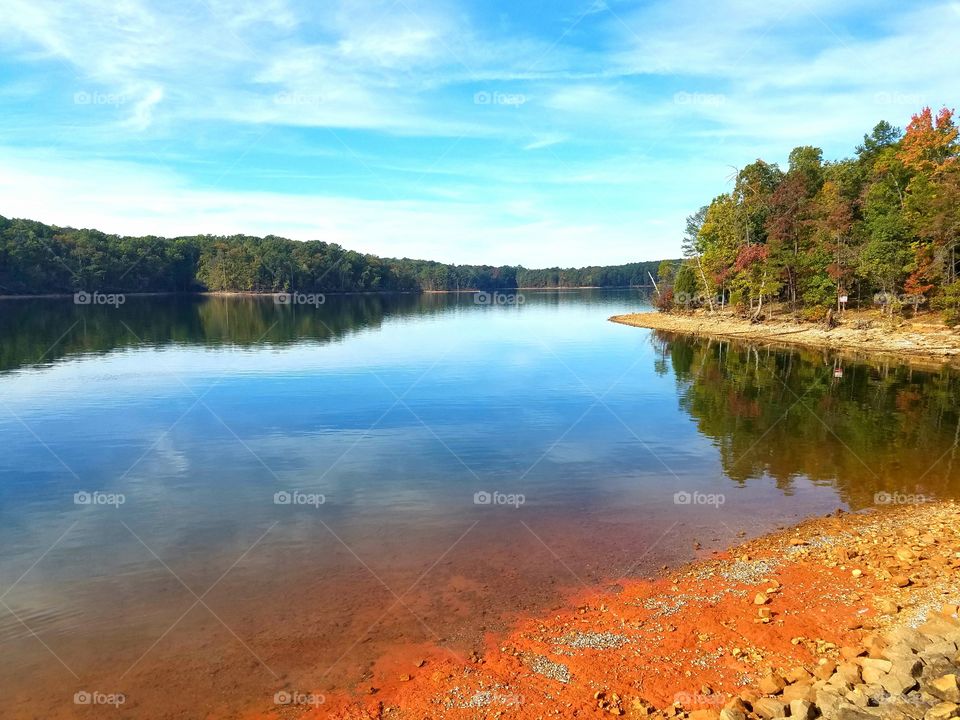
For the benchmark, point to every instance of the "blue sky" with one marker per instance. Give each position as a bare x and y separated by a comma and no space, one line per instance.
535,133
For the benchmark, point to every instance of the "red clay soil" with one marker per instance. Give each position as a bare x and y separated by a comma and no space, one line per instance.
696,637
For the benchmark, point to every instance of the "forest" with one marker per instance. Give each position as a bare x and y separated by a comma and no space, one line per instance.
42,259
880,229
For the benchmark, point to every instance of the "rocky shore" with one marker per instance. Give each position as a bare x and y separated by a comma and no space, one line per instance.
861,332
846,617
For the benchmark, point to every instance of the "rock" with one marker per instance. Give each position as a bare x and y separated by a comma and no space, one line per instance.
825,669
943,711
771,684
886,606
732,714
908,637
900,580
708,714
875,645
760,599
737,704
797,674
802,710
945,688
873,669
940,627
769,708
829,700
865,695
898,683
943,647
852,712
847,675
851,653
799,691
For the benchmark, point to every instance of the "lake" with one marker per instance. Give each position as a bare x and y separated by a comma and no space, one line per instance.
206,500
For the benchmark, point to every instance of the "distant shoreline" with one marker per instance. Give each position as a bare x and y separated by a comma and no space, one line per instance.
252,293
914,342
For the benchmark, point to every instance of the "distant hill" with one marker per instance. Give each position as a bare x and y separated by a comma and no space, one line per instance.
36,258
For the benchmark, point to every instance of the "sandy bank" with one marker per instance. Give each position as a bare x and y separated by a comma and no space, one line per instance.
805,614
860,333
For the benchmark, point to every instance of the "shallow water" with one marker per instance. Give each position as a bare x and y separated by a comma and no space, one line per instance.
189,585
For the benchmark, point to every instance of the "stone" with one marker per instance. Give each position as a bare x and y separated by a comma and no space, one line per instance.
898,683
886,606
825,669
945,688
760,599
875,645
732,714
851,653
875,663
940,627
708,714
799,691
943,711
769,708
798,674
942,647
802,710
909,637
829,700
852,712
847,674
771,684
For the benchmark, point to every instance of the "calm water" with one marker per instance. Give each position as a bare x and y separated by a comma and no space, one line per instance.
190,585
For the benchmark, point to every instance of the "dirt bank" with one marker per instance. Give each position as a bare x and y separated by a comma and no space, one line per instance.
863,332
802,608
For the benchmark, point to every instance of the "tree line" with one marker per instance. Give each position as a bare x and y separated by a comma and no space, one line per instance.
36,258
880,228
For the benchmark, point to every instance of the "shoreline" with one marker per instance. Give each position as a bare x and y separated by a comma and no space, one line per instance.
913,343
803,614
335,293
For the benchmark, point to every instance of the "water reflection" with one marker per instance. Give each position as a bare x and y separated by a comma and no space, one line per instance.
865,428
